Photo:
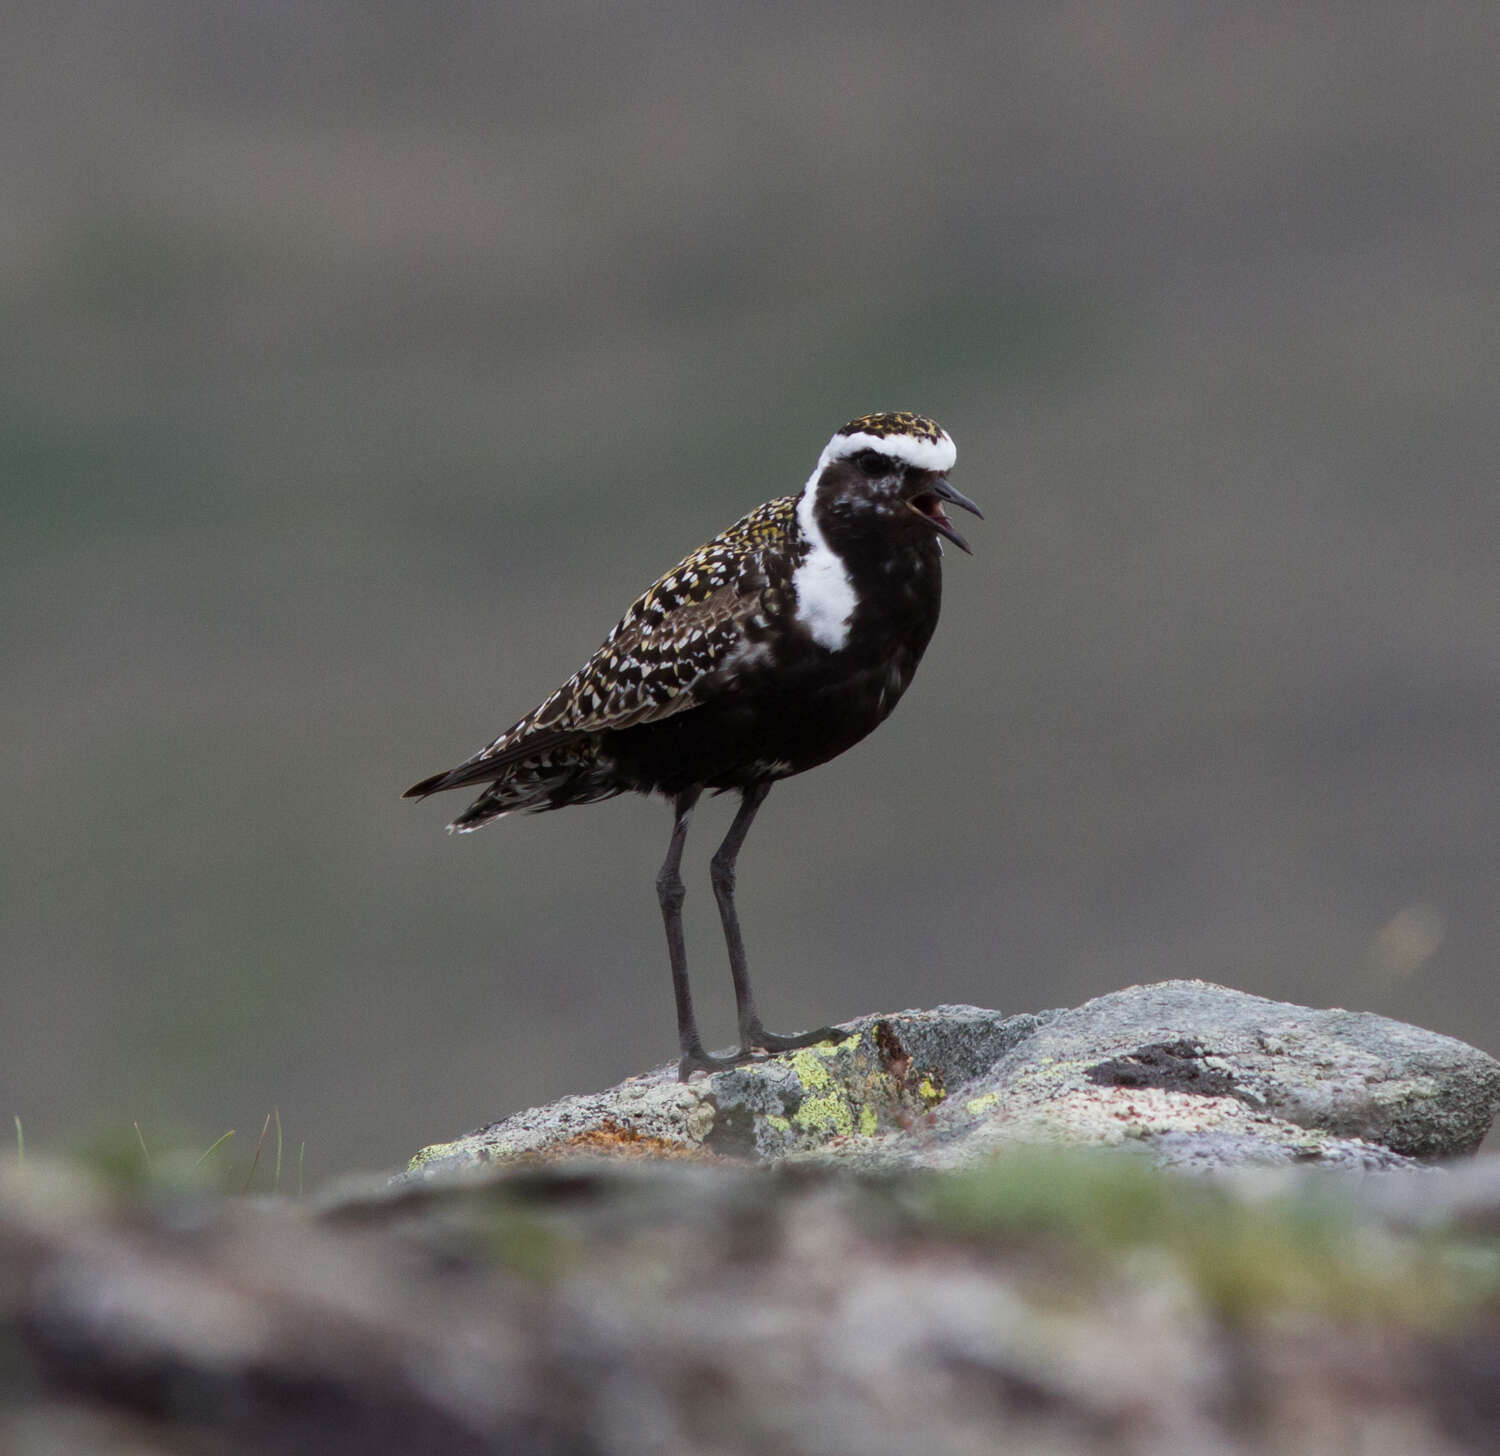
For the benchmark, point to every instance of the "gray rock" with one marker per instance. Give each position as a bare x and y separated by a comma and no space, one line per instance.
1204,1077
1197,1076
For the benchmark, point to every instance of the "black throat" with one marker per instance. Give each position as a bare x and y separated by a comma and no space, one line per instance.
894,562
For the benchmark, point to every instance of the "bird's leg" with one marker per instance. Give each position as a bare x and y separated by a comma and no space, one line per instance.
670,892
753,1036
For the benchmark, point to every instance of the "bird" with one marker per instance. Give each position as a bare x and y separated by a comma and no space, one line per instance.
771,649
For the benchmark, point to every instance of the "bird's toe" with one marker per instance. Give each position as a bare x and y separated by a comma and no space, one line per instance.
762,1040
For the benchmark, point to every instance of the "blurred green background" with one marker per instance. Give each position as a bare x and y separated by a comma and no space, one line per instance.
362,361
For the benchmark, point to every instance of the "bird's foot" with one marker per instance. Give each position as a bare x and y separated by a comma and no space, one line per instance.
759,1044
761,1040
700,1061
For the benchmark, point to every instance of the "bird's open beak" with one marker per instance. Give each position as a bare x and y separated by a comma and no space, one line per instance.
929,505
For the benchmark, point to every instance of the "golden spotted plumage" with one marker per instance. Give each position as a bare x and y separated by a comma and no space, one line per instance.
895,422
678,631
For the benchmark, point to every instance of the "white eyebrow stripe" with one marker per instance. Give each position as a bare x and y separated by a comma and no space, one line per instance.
936,454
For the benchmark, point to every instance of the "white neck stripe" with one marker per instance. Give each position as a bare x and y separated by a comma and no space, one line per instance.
825,594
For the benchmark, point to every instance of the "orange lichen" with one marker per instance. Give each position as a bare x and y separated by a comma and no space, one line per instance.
612,1139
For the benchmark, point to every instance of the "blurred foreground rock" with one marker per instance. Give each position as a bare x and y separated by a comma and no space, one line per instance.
921,1268
1198,1075
1054,1303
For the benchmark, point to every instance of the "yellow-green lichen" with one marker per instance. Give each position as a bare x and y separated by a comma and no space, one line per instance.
431,1153
867,1120
811,1066
930,1093
811,1063
977,1105
825,1110
781,1124
829,1113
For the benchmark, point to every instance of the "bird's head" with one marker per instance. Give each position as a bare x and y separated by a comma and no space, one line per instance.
888,472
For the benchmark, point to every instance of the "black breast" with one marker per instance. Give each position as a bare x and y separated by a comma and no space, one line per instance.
799,704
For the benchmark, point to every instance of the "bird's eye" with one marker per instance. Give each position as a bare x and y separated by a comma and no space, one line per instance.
873,464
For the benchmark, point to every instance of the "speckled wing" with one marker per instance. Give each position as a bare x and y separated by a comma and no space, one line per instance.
673,639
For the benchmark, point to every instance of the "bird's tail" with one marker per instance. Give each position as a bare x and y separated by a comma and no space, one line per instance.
503,758
545,773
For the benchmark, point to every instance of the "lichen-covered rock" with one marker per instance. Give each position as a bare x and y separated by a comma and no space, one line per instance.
1198,1076
887,1073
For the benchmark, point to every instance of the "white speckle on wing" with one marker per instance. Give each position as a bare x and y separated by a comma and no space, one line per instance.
825,595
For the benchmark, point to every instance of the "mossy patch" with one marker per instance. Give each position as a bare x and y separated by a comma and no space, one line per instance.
1247,1259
